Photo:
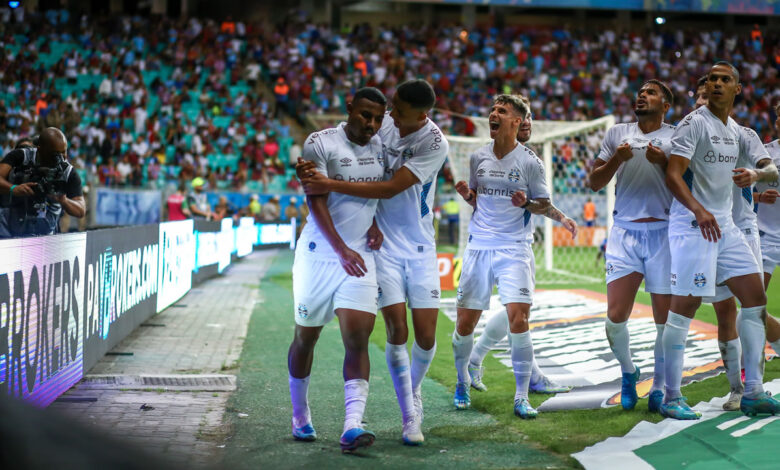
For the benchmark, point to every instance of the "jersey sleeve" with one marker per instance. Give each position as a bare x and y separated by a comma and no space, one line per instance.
752,147
685,137
608,145
313,151
428,163
537,183
13,158
73,185
473,164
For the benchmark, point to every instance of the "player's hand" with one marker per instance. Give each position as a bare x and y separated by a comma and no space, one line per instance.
624,152
352,262
519,199
744,177
375,237
24,190
769,196
304,168
315,184
571,226
708,225
655,154
463,189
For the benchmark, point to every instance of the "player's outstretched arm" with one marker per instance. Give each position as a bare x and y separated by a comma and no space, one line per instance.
604,171
545,207
351,261
317,183
674,181
765,172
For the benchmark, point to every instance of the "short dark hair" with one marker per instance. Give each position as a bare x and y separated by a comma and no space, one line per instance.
668,95
734,70
24,143
418,93
513,100
371,94
702,81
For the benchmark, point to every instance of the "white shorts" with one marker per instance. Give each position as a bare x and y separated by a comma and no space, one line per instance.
320,286
415,280
770,257
751,237
511,269
698,265
641,247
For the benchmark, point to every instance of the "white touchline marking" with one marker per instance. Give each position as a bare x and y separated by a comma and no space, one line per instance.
755,426
733,422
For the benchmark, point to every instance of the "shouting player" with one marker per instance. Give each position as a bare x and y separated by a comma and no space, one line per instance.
706,246
638,245
407,270
334,271
497,327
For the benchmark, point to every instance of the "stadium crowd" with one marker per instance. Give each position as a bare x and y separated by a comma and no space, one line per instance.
148,101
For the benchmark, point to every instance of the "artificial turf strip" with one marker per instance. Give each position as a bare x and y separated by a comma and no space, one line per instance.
469,439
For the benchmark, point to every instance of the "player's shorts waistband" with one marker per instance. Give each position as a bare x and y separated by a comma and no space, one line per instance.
656,225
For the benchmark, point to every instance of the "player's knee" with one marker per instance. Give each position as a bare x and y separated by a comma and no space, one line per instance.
425,341
396,333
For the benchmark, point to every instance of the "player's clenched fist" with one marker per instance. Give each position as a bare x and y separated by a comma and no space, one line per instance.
655,154
519,199
463,189
624,152
744,177
769,196
304,168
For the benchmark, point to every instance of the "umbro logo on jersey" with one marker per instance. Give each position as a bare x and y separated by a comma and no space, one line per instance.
481,172
525,291
303,312
435,294
346,161
699,280
514,175
312,246
715,139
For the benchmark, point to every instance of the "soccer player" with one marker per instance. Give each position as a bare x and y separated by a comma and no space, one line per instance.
638,245
508,180
723,302
497,327
407,270
706,246
334,270
769,231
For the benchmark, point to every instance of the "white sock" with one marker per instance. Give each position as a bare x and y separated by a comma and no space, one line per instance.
355,395
731,353
522,358
658,367
752,333
299,395
536,372
461,348
675,336
398,364
495,330
421,362
617,334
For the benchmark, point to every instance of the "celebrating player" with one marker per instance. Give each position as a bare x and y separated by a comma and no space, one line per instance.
638,245
508,180
407,270
497,327
334,271
706,246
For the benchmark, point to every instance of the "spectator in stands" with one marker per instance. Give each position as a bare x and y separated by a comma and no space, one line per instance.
177,204
452,211
197,202
271,210
254,207
291,211
589,213
223,209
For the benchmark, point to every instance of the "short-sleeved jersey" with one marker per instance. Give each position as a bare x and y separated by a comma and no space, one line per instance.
338,158
751,149
406,219
496,223
769,214
640,190
713,149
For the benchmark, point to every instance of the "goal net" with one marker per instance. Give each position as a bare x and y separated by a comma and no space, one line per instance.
567,149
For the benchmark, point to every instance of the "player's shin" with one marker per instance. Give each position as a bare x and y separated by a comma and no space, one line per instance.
752,333
461,348
299,396
675,335
495,330
658,369
617,334
398,364
731,353
355,395
522,359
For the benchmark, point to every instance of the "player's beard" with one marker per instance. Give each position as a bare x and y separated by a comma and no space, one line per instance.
643,112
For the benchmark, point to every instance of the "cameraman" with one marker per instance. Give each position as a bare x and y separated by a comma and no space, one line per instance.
41,184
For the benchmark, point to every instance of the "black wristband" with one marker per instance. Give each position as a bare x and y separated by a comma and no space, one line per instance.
471,196
526,204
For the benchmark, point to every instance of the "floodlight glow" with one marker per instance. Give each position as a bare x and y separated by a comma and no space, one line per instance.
660,20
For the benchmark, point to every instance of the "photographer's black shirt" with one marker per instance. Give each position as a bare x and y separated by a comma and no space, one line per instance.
15,158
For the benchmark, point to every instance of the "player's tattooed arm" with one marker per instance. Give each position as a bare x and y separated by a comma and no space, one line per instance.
544,206
350,260
604,171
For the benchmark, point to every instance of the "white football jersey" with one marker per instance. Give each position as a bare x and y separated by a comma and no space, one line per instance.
769,214
340,159
406,219
496,223
751,149
640,190
713,149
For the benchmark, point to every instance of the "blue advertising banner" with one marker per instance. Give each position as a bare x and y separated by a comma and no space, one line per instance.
119,207
754,7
